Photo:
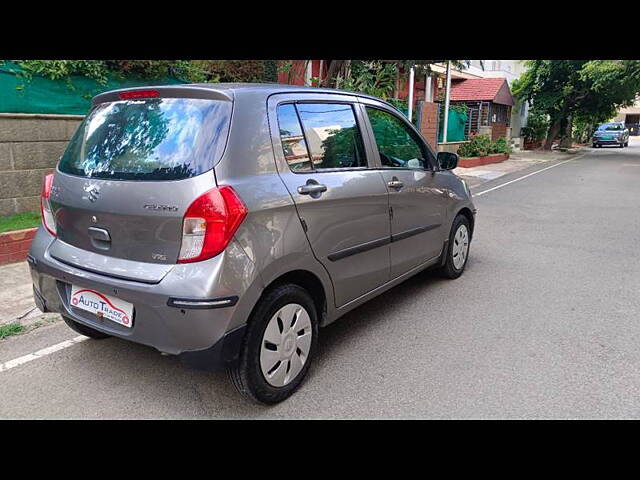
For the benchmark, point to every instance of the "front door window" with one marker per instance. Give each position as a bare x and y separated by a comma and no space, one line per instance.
397,145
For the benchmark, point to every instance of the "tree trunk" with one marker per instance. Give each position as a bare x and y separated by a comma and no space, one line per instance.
554,130
567,136
336,71
334,65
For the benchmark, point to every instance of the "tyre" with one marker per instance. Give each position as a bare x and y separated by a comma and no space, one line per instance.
84,330
457,248
595,145
626,144
279,345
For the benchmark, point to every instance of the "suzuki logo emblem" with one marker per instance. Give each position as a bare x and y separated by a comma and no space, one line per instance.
93,192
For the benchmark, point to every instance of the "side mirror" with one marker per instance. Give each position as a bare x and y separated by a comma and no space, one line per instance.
447,160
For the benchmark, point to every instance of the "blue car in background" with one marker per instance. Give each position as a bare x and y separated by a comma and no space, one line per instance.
614,133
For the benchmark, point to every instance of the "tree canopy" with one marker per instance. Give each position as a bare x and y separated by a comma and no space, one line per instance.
589,91
187,70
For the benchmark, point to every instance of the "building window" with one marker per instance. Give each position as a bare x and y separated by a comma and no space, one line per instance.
484,114
500,114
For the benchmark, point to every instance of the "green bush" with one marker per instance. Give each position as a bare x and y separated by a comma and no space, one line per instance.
502,146
537,126
252,71
100,70
583,129
187,70
481,146
478,146
459,107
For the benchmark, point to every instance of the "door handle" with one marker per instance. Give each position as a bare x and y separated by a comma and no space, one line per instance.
311,189
395,183
99,234
100,238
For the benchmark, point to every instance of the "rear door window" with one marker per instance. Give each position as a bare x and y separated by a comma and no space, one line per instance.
149,139
332,135
294,145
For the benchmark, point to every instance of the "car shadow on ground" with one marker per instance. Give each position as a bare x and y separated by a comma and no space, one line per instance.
338,335
181,392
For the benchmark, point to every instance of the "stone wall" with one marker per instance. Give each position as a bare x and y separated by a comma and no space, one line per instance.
30,146
14,246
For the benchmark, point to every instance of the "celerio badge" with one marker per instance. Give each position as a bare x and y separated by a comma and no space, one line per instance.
161,208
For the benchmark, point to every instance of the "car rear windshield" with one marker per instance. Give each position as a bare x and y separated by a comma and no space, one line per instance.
149,139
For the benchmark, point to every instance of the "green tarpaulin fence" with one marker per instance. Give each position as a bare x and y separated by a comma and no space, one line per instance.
37,94
455,127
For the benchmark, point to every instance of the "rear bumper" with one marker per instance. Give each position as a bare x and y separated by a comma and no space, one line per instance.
193,333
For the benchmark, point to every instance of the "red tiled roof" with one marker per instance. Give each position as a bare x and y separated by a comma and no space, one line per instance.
476,89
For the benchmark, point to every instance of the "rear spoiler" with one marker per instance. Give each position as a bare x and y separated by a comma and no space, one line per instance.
166,91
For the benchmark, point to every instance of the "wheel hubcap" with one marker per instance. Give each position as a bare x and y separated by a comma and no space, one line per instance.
460,247
285,345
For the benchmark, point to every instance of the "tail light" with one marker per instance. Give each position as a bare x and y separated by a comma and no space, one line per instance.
209,224
48,219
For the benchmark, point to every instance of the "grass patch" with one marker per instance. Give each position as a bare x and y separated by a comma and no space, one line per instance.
43,322
19,221
10,329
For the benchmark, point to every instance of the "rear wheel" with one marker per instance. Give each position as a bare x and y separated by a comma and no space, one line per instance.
279,345
457,248
84,330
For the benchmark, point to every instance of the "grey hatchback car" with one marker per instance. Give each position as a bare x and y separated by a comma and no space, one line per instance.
226,223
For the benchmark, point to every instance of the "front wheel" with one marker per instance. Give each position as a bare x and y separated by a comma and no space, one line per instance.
279,345
457,248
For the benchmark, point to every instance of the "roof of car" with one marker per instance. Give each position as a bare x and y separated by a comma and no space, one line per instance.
231,89
270,87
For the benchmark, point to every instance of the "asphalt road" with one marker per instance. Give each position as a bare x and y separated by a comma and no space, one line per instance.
543,324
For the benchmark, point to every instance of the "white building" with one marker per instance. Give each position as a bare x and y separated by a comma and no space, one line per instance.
631,118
